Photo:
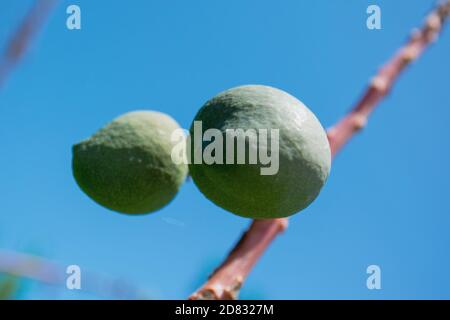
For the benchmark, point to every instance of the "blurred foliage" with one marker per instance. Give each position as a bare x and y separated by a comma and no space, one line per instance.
9,287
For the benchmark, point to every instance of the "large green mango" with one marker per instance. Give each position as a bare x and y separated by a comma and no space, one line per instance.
304,157
127,165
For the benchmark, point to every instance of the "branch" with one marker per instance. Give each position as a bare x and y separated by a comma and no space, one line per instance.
19,43
49,272
382,83
226,281
228,278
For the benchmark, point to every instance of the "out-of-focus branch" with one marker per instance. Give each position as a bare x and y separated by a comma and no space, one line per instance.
49,272
21,40
228,278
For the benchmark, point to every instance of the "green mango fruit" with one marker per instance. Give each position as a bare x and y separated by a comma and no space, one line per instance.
304,157
127,165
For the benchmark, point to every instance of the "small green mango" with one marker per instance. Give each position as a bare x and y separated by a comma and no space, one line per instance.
304,153
127,165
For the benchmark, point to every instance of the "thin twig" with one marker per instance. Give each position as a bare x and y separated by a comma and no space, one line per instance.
21,40
228,278
51,273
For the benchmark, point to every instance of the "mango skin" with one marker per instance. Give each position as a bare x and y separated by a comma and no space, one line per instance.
127,165
304,154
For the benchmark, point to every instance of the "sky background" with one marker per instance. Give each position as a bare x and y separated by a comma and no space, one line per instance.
386,201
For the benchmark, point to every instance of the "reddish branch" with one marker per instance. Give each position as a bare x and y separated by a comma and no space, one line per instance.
384,80
51,273
228,278
21,40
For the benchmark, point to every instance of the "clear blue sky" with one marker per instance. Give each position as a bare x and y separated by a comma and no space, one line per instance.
386,201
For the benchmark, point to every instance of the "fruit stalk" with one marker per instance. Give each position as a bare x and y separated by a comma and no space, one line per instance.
21,40
227,279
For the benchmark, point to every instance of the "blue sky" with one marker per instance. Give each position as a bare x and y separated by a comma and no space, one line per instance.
385,203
